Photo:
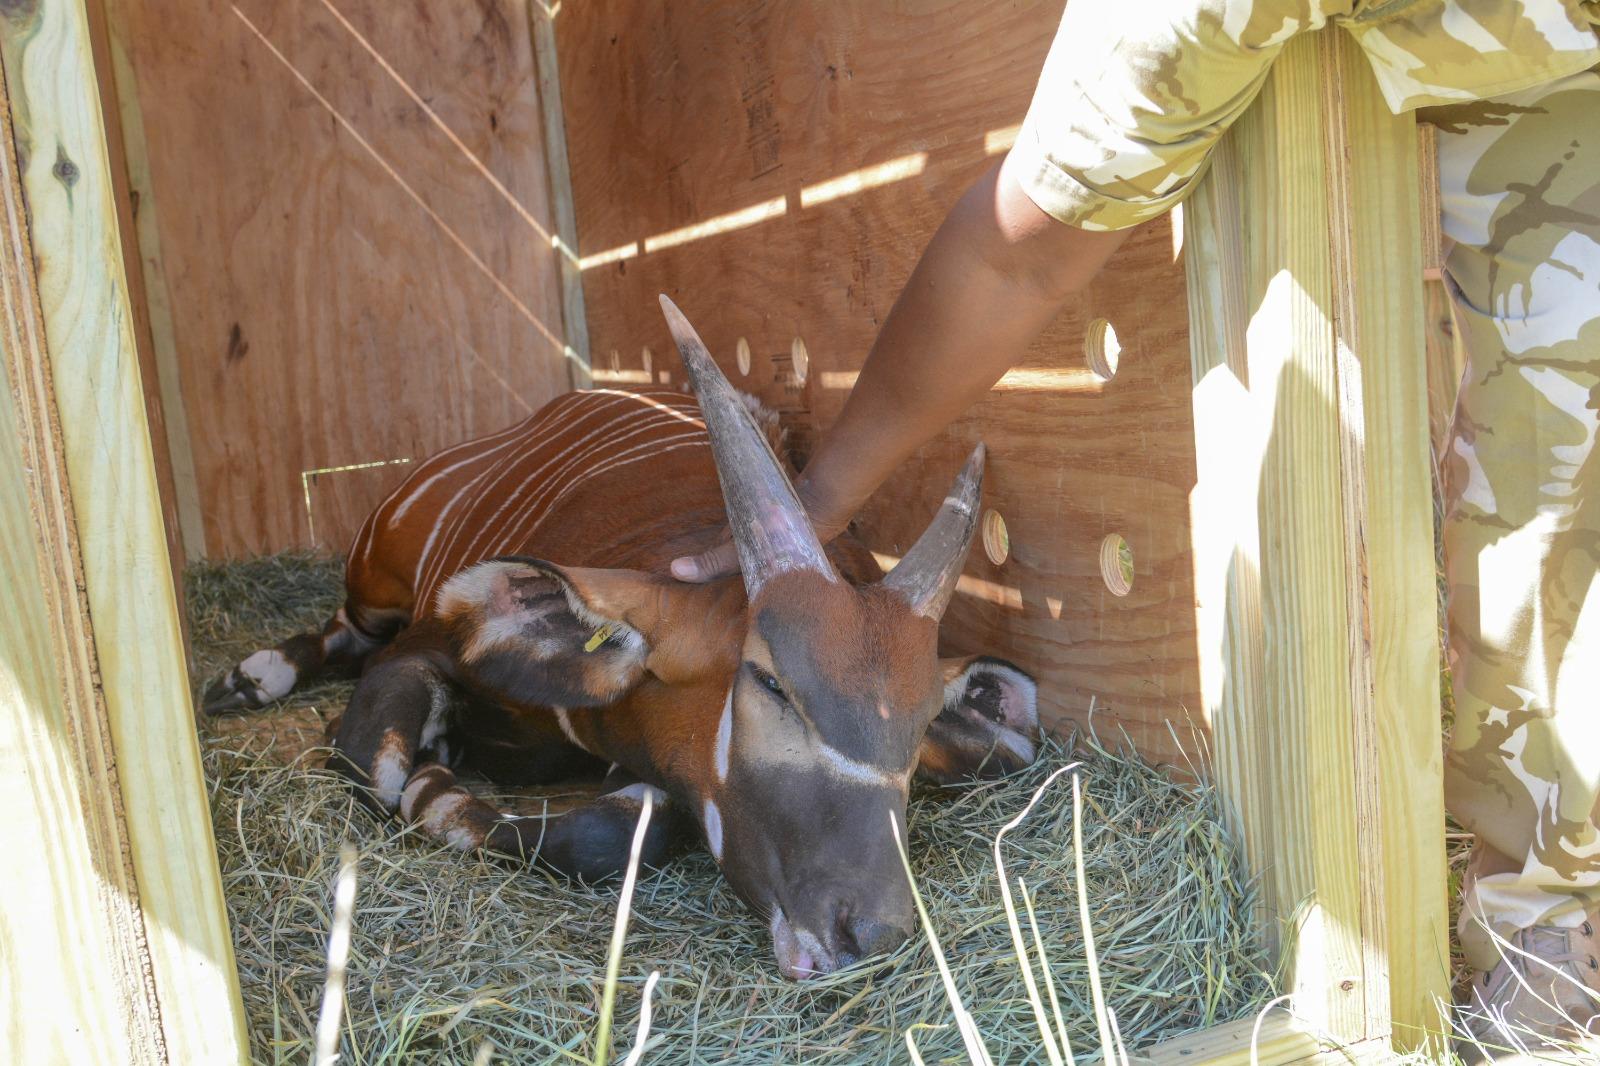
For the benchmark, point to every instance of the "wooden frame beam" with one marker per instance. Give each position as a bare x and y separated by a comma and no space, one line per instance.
574,319
1313,538
129,957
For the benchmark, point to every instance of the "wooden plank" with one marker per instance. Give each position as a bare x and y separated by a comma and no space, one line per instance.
338,501
145,787
1274,1040
68,890
782,192
1446,355
1446,361
156,301
364,253
1246,417
1316,618
1379,327
1429,219
574,318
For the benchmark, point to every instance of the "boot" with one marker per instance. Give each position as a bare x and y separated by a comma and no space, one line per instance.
1542,998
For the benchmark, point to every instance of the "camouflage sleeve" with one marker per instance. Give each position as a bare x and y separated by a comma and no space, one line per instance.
1134,95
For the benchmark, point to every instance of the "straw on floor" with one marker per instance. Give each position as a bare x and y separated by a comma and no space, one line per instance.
454,957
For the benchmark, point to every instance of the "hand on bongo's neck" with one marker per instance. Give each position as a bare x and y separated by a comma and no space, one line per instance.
828,518
993,276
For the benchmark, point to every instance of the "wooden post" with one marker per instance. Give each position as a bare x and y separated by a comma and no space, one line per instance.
574,320
1312,531
148,282
114,915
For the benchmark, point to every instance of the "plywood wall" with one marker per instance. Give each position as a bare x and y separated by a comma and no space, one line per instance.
350,245
776,168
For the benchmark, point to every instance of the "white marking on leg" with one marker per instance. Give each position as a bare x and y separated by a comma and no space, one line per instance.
413,789
272,674
724,737
636,792
566,729
440,816
390,769
438,714
347,638
713,826
462,838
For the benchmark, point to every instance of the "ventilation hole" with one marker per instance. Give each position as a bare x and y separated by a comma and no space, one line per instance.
996,541
616,359
1101,349
1116,564
741,355
801,360
649,360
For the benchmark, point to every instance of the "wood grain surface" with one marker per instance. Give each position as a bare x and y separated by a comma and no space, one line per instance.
354,235
777,170
100,733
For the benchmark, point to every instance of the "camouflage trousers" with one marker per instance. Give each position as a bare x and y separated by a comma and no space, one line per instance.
1520,179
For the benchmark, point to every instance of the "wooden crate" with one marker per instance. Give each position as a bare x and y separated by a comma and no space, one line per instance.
263,255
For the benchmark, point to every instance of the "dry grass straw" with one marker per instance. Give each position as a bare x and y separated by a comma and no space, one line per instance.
453,958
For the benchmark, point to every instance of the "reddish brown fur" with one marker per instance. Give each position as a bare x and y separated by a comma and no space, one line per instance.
581,644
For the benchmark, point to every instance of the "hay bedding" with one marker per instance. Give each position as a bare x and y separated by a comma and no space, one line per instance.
455,958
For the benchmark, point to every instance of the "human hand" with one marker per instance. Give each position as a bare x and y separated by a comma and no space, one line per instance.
722,559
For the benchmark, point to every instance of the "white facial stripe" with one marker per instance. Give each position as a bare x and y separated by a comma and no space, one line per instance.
855,770
713,825
724,737
787,746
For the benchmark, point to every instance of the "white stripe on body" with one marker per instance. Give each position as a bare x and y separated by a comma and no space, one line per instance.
510,435
361,546
530,434
489,485
547,480
521,525
539,491
534,434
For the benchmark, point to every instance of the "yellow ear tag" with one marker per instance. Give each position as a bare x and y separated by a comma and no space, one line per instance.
601,635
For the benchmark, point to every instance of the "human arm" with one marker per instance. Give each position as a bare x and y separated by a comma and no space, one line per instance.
1127,110
995,273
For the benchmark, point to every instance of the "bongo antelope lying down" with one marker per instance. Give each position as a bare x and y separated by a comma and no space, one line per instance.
782,715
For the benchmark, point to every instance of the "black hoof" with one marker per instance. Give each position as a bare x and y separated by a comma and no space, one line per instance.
229,694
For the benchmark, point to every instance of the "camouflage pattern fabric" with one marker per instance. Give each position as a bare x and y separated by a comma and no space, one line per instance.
1134,95
1520,194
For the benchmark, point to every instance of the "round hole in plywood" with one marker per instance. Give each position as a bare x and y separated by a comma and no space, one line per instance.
1101,349
1116,564
649,360
801,360
741,356
996,539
